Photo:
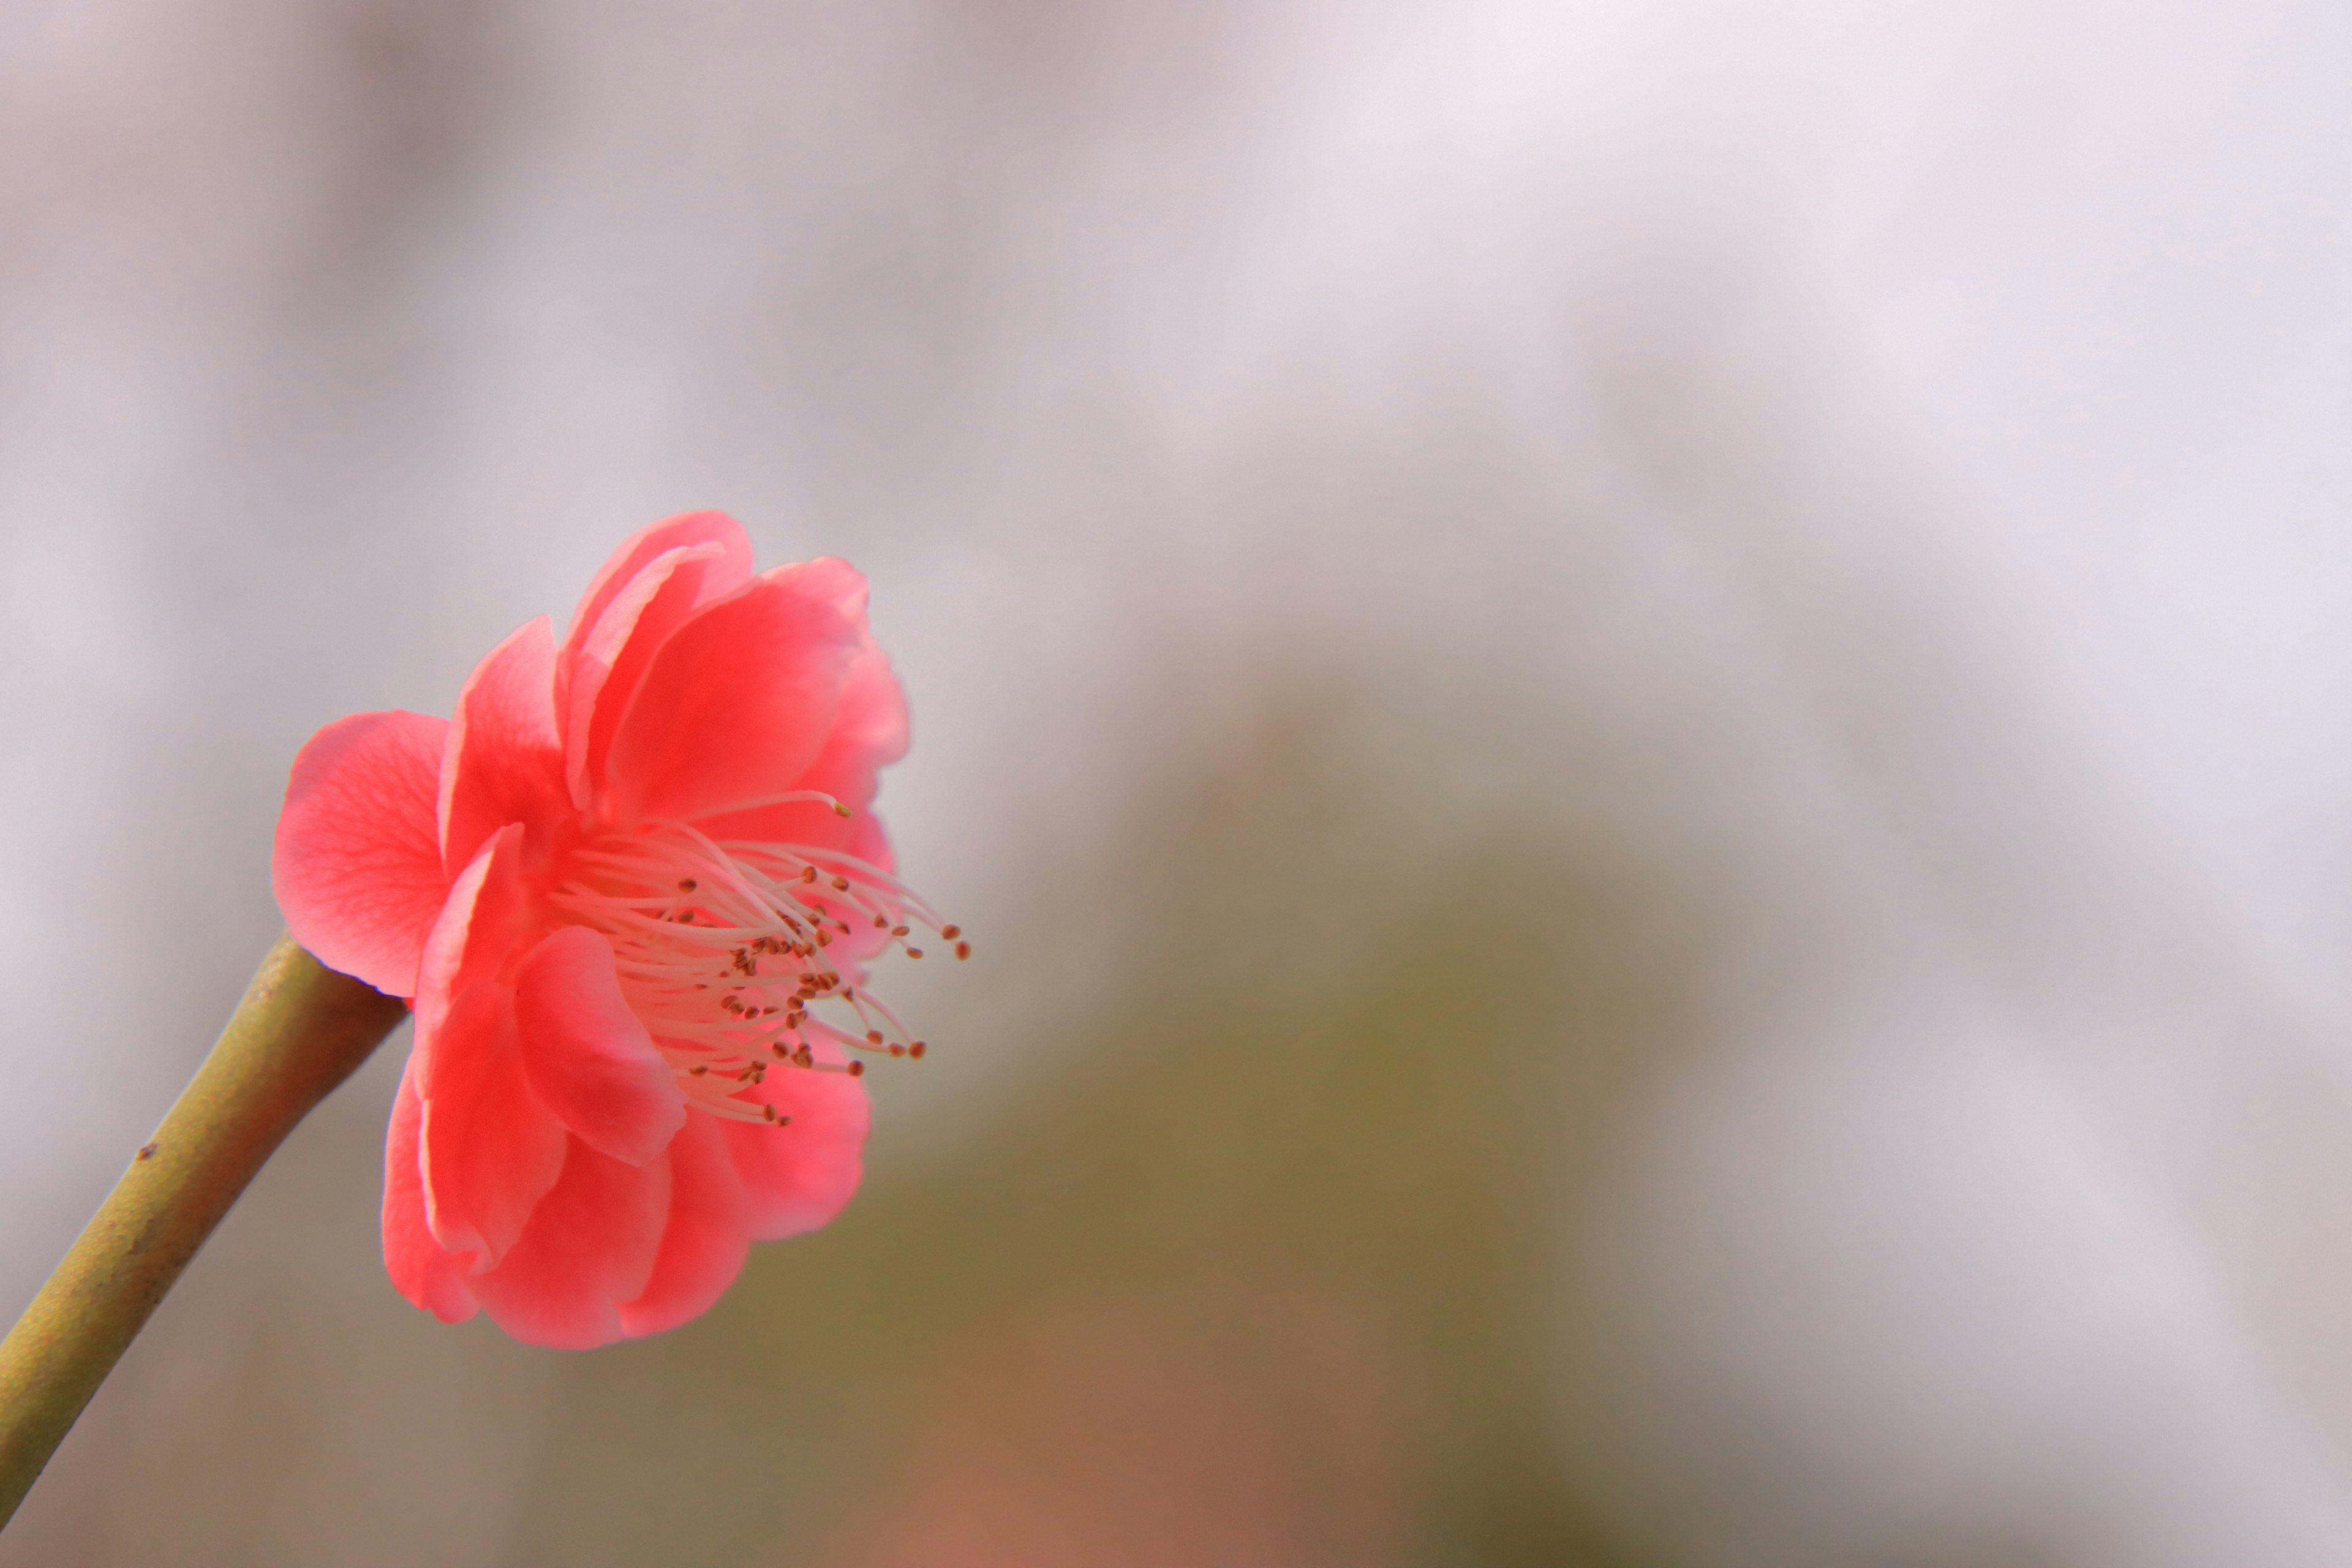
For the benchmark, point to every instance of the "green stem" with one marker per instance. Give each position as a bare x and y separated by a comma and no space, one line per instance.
300,1031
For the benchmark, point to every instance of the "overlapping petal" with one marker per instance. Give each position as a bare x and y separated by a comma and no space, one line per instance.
800,1182
687,530
869,733
709,1233
740,700
489,1148
429,1276
484,916
590,1246
610,660
587,1056
504,760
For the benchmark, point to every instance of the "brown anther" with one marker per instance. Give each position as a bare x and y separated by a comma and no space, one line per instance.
768,1111
841,884
917,1050
899,930
685,884
963,950
839,809
824,938
897,1049
147,1151
857,1069
914,953
686,917
873,1036
881,922
778,1051
808,873
698,1069
950,933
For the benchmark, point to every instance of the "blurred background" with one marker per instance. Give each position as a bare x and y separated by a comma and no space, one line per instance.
1640,704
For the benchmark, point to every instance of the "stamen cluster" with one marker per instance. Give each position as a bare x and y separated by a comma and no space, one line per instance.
721,949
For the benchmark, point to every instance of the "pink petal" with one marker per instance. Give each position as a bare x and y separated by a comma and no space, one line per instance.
703,1249
484,920
590,1246
799,1176
742,698
588,1058
357,866
504,760
685,530
489,1148
607,663
428,1276
871,726
869,731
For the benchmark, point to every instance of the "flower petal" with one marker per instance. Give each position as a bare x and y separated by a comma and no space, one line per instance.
685,530
709,1235
489,1151
485,918
590,1246
504,760
799,1176
420,1270
606,665
742,698
869,731
489,1148
588,1058
870,728
357,864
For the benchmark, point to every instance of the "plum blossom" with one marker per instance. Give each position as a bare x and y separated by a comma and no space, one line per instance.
632,888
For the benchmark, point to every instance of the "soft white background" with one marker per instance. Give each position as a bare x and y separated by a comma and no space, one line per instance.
1909,442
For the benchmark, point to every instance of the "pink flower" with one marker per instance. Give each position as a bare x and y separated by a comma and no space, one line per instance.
620,886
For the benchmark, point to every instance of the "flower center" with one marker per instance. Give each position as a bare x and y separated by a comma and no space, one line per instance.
727,950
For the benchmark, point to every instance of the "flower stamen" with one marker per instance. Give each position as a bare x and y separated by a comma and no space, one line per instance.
720,949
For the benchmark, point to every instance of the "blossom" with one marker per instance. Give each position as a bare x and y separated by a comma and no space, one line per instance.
632,887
